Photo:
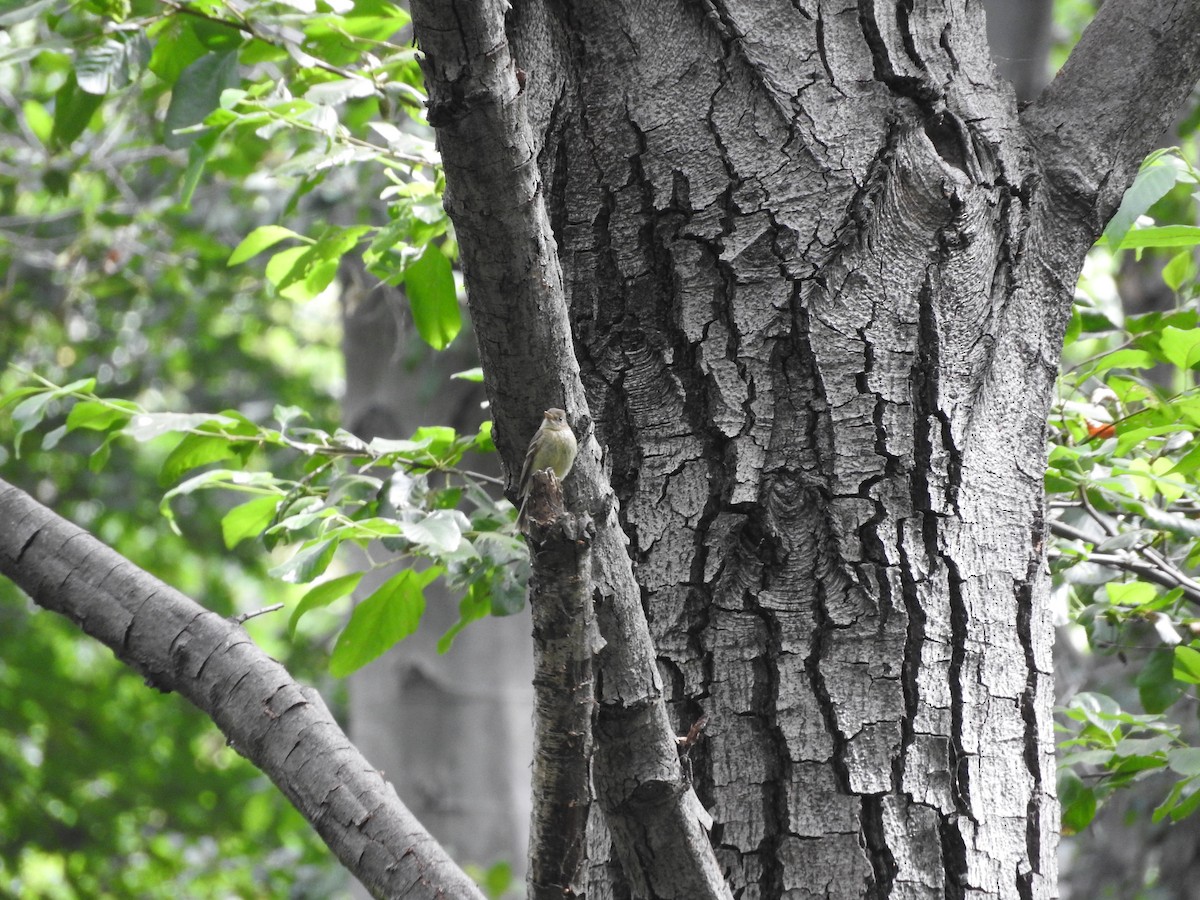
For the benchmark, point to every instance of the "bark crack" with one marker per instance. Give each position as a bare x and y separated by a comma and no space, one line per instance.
874,832
914,642
1029,701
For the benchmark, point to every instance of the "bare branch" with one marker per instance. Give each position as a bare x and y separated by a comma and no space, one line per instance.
242,618
561,602
1145,563
282,727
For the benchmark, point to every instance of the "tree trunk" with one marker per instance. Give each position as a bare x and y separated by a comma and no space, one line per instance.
813,349
818,271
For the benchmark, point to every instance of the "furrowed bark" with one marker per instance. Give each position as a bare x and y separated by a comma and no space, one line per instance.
560,600
519,313
282,727
819,295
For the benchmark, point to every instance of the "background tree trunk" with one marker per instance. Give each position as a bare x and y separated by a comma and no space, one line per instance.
1020,34
452,731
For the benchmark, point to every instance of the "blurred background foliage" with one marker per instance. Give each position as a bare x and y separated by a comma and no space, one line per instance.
113,265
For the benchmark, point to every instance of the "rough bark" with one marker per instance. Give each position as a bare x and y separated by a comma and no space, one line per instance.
560,600
818,272
494,195
282,727
517,308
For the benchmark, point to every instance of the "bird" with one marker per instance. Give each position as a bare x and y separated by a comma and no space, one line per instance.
553,447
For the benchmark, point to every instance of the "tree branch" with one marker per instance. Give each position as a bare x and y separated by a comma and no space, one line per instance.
563,688
519,313
1151,567
1118,92
282,727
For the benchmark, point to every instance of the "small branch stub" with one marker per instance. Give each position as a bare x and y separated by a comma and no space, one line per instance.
544,503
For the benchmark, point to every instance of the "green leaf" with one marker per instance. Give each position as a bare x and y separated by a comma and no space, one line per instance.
439,440
1181,802
13,12
475,374
175,48
197,92
440,532
1151,185
1186,665
474,605
429,282
319,276
308,562
282,265
1131,593
1125,359
387,616
96,415
147,426
1180,270
198,154
248,520
1182,348
322,595
102,68
259,240
73,110
339,90
39,120
1078,803
246,482
1189,463
483,440
1160,236
1184,761
99,457
1156,684
193,451
28,415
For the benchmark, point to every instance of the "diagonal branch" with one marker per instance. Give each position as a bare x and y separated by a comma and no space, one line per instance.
519,314
1118,92
280,726
1144,563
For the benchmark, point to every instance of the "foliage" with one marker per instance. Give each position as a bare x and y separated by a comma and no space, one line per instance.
1125,503
401,495
141,143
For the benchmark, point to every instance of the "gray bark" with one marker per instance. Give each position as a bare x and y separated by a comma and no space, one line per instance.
520,318
561,603
818,271
280,726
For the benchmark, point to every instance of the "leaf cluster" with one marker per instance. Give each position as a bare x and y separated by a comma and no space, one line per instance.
404,496
1124,501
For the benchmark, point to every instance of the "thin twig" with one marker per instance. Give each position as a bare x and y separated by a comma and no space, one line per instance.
1167,576
246,616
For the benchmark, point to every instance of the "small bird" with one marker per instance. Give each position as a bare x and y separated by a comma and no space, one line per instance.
553,447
